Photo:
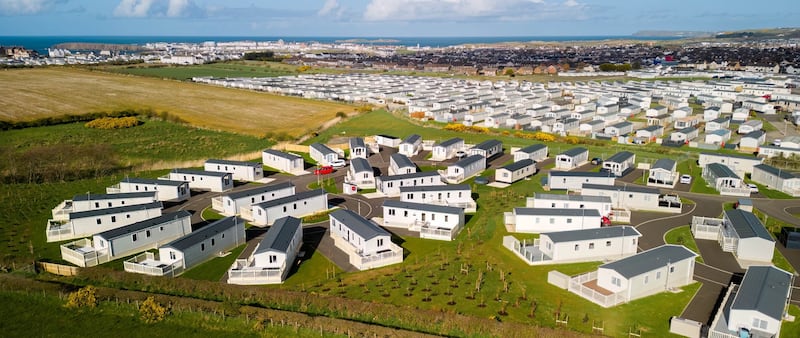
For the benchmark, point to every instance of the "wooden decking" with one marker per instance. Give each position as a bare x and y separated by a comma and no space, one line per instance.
592,284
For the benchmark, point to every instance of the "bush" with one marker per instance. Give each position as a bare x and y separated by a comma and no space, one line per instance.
113,122
417,114
151,311
341,114
85,297
544,137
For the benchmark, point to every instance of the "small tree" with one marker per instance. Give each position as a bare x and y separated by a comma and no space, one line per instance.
86,297
509,72
152,311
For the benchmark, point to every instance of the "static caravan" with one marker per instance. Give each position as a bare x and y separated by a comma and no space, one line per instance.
537,220
367,245
710,114
127,240
718,123
777,179
190,250
566,180
663,173
87,223
583,115
619,129
411,145
454,195
86,202
237,202
594,126
201,179
432,221
566,125
536,152
400,164
750,126
447,149
515,171
752,141
274,256
286,162
633,197
684,135
358,149
572,158
650,132
542,200
323,154
465,168
361,174
587,245
241,170
745,236
487,149
297,205
390,185
620,163
166,190
718,137
387,141
741,165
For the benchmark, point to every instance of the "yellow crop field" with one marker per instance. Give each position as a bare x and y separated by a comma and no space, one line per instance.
28,94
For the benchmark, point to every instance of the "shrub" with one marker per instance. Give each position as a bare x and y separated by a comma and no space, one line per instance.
113,122
151,311
341,114
417,114
544,137
85,297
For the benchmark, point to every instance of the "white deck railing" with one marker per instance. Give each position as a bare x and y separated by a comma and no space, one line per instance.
61,212
532,257
148,264
243,272
82,253
217,204
439,233
576,286
246,213
734,191
705,227
114,189
57,231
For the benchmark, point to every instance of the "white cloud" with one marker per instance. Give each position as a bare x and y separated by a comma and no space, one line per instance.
17,7
329,7
160,8
414,10
571,3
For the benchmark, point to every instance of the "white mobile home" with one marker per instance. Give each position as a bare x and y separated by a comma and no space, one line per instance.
190,250
411,145
274,256
130,239
202,180
387,141
650,132
454,195
87,223
390,185
241,170
594,126
465,168
741,165
752,141
718,123
166,191
487,149
240,201
572,158
718,137
536,220
620,163
684,135
400,164
86,202
361,174
745,236
285,162
323,154
588,245
542,200
358,149
536,152
367,245
297,205
634,197
447,149
750,126
515,171
432,221
619,129
663,173
724,180
777,179
566,180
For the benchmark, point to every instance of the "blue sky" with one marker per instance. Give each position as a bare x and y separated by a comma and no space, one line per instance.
387,18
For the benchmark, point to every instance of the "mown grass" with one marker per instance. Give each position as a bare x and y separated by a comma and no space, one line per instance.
214,269
683,236
36,93
213,70
791,329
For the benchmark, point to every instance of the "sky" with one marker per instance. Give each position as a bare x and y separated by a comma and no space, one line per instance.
387,18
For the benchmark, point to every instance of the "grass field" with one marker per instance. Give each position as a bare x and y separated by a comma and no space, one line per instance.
42,92
231,69
683,236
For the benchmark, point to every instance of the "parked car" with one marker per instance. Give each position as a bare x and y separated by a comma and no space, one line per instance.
324,170
753,188
338,163
461,154
776,142
605,221
685,179
597,161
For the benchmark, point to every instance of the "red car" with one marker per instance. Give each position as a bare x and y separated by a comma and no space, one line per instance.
605,221
324,170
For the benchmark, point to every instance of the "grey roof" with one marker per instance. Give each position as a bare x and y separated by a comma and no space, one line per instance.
744,201
152,181
754,134
239,163
721,170
446,187
488,144
556,212
518,165
720,120
450,142
357,142
292,198
652,128
622,124
466,161
323,149
360,165
115,210
207,231
620,157
630,188
747,225
423,206
574,152
138,226
720,132
124,195
385,178
387,136
360,225
687,130
260,190
745,157
775,171
199,172
413,138
579,198
282,154
594,122
558,173
532,148
402,161
588,234
664,163
280,235
764,289
650,260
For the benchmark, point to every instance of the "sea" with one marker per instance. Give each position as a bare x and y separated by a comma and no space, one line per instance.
41,43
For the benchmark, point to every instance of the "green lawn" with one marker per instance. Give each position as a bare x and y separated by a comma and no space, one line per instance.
699,185
214,269
791,329
327,183
209,214
683,236
214,69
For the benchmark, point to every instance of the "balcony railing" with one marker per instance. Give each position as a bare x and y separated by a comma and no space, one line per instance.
148,264
61,212
58,231
218,205
82,253
243,272
576,286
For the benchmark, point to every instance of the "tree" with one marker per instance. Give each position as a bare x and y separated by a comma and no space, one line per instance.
509,72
